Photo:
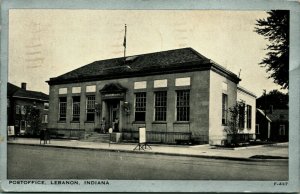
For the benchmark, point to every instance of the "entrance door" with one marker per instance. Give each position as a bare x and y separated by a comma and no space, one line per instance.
114,110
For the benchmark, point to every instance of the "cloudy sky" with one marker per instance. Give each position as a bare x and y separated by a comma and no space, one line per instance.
48,43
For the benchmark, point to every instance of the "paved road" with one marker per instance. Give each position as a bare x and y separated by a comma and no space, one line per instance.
36,162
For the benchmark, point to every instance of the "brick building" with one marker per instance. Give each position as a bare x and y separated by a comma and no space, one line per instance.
176,94
19,102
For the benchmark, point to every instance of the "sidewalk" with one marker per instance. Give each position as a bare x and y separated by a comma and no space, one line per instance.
279,150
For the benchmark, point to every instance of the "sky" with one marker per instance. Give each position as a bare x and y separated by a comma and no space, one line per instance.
46,43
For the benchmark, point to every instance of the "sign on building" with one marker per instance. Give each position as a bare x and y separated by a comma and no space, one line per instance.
11,130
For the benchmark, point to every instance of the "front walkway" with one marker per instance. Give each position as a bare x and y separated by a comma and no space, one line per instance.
279,150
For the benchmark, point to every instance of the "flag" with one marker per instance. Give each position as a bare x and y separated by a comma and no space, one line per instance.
124,42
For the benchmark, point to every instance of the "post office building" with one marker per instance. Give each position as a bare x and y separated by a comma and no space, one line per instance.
177,95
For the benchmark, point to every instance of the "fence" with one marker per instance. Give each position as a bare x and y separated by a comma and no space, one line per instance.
158,137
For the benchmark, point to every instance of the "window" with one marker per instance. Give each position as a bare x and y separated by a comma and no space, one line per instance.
76,108
242,116
183,105
224,109
160,106
18,109
23,110
45,119
90,108
46,105
282,130
140,106
257,129
249,116
62,108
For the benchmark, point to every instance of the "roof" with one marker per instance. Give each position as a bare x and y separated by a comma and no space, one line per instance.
17,92
31,95
240,88
171,61
263,113
278,114
11,89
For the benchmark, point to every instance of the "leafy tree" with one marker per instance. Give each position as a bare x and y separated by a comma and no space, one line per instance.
33,119
275,98
236,114
275,28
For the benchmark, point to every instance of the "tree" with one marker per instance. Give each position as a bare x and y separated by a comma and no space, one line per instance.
275,98
275,28
33,119
236,114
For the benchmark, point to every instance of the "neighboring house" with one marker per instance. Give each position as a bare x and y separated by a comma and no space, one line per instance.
19,102
263,125
176,95
280,124
272,124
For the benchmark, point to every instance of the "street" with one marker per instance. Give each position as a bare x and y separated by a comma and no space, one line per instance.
41,162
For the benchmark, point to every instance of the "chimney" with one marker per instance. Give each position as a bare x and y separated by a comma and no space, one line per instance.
23,85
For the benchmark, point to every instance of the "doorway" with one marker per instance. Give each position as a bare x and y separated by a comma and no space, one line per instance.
113,114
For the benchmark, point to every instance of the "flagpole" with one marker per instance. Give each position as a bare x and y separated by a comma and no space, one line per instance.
124,43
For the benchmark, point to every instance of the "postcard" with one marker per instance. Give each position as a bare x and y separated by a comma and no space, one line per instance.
140,96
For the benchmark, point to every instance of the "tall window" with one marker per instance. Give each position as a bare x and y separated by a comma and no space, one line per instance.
242,116
160,106
76,108
183,105
90,108
224,109
62,108
140,106
249,116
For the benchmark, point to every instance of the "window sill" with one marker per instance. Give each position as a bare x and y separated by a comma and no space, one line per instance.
89,121
75,122
61,121
181,122
159,122
138,122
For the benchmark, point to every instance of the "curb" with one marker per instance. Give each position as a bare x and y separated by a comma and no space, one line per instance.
151,153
